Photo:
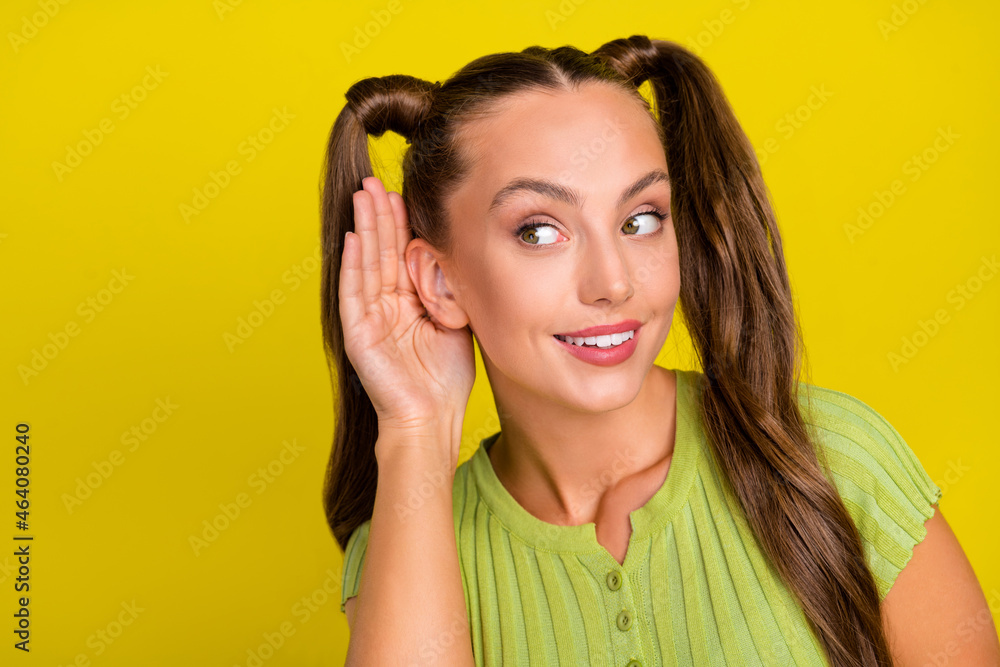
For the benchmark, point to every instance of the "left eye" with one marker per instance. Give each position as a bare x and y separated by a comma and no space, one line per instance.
652,221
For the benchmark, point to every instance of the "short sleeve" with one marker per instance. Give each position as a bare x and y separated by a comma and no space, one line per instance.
354,558
880,479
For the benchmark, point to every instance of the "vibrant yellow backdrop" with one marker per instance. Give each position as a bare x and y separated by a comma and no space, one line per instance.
160,299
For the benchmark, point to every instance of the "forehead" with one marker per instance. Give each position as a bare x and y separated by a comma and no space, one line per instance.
593,137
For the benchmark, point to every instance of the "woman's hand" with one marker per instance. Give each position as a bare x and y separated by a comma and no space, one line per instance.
415,371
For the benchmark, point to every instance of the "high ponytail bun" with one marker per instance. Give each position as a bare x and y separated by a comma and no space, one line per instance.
633,58
396,102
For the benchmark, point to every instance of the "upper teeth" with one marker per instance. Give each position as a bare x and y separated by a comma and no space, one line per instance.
599,341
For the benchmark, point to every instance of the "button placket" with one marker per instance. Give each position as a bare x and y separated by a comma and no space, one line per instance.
614,582
618,600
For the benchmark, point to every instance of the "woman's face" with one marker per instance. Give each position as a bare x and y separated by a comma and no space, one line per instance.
588,169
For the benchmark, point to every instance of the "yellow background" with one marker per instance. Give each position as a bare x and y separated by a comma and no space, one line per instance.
163,334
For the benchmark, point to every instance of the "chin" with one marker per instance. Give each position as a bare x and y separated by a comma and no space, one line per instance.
604,394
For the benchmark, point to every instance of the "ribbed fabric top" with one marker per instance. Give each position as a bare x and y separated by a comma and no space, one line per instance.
695,588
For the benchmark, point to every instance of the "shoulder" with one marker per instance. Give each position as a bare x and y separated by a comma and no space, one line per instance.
357,544
354,557
880,478
862,447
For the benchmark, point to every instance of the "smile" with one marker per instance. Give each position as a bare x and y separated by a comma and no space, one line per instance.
613,340
601,350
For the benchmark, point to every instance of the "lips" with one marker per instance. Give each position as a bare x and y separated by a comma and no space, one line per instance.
600,350
605,329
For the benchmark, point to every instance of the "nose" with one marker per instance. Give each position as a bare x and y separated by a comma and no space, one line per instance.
605,274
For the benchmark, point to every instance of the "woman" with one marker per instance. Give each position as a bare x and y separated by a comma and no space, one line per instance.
625,514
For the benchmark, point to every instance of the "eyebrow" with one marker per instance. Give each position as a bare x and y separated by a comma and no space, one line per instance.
570,196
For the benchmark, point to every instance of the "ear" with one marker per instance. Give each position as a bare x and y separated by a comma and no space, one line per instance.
429,273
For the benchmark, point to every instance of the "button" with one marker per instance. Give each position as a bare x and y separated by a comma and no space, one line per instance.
614,580
634,663
624,621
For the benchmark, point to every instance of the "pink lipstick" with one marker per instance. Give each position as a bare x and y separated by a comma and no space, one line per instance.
604,345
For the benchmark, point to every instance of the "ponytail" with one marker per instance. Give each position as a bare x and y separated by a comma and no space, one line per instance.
374,106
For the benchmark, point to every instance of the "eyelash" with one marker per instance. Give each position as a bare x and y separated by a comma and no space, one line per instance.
534,223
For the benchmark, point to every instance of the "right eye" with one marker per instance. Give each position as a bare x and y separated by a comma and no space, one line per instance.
536,233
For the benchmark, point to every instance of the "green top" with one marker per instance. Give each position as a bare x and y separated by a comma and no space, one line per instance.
694,586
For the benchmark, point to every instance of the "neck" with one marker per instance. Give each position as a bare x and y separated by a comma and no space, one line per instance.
561,465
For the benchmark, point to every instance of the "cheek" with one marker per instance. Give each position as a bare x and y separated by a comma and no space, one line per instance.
505,302
657,274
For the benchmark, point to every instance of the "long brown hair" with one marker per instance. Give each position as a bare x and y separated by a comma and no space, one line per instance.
735,298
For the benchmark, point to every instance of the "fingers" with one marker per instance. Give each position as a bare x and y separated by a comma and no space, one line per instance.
364,227
403,236
352,307
373,260
386,228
